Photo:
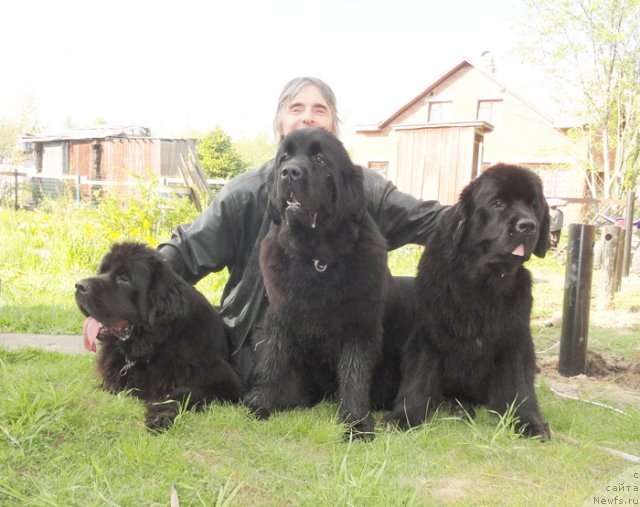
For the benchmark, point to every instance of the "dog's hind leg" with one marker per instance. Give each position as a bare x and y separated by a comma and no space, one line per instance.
278,380
420,392
224,383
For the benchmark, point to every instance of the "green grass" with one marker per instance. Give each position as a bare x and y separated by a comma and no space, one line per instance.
65,442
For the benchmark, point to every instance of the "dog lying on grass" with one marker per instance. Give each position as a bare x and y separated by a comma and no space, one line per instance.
160,338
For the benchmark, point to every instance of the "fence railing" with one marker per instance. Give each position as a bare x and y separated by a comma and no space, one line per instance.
20,190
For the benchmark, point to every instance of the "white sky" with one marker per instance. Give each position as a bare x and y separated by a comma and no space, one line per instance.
193,64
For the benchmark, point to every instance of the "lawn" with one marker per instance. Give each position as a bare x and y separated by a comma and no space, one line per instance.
65,442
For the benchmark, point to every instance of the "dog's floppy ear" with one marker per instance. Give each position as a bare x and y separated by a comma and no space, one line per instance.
272,206
543,239
273,210
455,222
458,216
164,300
352,192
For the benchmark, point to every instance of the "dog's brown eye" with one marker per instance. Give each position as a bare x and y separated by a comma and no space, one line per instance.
319,159
498,204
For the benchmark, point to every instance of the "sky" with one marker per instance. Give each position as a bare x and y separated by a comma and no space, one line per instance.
190,65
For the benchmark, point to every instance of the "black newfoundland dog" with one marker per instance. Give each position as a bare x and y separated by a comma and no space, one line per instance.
161,339
472,343
324,264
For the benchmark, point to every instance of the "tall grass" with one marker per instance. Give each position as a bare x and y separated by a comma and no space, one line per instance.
44,251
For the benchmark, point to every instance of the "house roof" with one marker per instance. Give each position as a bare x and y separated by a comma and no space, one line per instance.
457,68
98,132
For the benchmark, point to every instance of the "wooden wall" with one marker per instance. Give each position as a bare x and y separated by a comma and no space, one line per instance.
436,162
115,158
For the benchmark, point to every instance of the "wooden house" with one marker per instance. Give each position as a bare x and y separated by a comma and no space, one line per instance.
462,123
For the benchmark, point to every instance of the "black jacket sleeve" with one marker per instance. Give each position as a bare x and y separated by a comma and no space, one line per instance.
223,235
402,218
206,245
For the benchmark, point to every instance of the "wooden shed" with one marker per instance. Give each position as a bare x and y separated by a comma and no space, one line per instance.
438,160
107,153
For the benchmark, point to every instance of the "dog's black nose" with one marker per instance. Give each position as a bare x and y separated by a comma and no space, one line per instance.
83,287
291,172
526,226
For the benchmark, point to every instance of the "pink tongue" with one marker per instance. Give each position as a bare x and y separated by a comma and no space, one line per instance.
519,250
89,333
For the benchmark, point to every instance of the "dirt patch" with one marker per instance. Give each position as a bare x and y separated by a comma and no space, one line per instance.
452,489
610,378
614,319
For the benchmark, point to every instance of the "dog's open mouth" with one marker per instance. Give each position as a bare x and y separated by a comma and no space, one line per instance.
94,330
293,205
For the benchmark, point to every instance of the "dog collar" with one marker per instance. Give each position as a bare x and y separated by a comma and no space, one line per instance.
130,364
319,265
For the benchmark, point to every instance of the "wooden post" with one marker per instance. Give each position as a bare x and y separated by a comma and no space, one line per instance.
607,285
628,227
620,258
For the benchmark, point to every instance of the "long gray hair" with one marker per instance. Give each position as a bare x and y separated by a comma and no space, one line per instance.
292,88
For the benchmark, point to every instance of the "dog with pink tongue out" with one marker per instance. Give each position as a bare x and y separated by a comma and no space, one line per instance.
471,344
159,338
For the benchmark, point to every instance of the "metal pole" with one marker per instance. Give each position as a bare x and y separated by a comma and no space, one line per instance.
628,227
78,192
15,189
577,296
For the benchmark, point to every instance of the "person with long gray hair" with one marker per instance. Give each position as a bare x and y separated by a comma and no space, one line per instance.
229,232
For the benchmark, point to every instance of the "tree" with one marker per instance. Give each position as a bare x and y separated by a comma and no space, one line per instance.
256,151
594,46
11,127
218,155
9,132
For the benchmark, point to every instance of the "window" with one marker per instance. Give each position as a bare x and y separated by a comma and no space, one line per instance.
489,111
379,167
440,112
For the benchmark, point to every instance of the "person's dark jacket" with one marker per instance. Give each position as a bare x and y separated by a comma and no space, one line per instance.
228,235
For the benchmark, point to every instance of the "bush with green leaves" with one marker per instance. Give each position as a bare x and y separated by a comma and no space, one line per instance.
44,251
218,156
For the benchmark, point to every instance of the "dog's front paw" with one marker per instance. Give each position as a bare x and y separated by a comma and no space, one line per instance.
400,420
160,415
536,429
359,429
405,417
397,420
259,412
362,430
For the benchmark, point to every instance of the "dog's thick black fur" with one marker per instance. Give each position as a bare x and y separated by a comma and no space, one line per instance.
324,265
472,342
160,338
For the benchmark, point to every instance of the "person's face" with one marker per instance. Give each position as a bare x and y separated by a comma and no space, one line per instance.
307,109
